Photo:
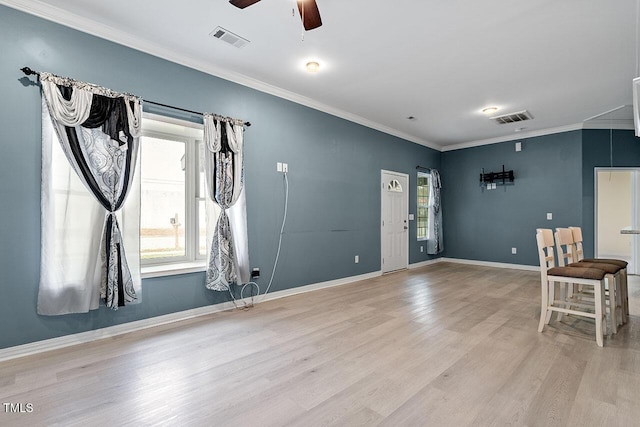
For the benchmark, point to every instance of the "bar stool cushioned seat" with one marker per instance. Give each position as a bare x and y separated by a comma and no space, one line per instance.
581,272
618,262
606,267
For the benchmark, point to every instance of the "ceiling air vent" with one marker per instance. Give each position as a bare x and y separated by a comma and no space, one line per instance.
513,117
227,36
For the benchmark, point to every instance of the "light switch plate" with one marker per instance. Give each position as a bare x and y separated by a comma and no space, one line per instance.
411,217
549,216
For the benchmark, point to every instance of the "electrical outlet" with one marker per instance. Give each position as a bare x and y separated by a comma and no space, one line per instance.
421,248
357,259
514,251
549,216
255,273
285,167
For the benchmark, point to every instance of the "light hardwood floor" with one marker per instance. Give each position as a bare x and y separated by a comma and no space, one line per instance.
444,345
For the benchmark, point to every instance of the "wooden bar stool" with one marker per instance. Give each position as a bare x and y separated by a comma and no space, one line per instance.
565,246
621,264
550,274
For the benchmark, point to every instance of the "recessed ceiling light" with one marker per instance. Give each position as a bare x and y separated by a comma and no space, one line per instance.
313,66
489,110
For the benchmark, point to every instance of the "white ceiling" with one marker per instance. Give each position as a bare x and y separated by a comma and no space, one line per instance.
383,60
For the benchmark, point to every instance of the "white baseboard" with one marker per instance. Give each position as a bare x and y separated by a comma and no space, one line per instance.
322,285
491,264
111,331
425,263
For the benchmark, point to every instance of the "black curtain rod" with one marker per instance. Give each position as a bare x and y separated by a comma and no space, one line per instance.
28,71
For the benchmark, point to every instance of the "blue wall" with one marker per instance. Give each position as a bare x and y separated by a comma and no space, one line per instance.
334,175
485,224
603,148
553,173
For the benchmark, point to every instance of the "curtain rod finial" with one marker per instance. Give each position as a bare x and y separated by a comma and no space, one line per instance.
28,71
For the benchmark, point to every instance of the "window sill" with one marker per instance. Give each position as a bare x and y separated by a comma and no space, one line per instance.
173,269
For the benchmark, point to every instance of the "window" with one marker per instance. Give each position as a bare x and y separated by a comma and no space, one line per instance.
173,206
423,205
394,186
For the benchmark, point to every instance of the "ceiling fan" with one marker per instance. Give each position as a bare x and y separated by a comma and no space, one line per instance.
308,9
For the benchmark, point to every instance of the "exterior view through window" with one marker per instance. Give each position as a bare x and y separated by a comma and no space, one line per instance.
173,223
423,205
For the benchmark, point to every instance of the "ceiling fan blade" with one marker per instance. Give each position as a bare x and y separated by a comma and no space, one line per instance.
243,3
310,14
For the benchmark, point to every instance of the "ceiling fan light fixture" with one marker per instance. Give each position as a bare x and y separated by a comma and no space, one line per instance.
489,110
312,66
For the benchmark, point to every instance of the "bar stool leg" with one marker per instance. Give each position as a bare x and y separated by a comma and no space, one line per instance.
544,306
611,284
599,306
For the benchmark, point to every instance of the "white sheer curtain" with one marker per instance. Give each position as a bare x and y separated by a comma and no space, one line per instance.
238,221
83,169
229,254
434,230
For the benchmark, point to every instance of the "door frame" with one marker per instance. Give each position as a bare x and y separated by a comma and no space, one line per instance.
406,200
635,246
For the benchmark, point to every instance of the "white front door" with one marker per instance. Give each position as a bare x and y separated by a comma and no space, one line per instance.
395,226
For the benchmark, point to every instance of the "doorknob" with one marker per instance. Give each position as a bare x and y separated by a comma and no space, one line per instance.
405,227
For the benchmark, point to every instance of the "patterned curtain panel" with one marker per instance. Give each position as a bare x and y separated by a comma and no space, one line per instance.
225,179
98,132
434,232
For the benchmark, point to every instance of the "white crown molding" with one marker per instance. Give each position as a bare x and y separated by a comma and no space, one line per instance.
591,124
516,137
59,16
609,124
